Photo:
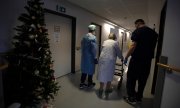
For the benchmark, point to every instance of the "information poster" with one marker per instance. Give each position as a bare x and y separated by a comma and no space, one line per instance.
56,33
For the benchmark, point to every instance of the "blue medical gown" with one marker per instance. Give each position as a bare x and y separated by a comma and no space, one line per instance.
88,53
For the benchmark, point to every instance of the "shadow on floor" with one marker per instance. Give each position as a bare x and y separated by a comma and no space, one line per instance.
74,78
117,94
70,92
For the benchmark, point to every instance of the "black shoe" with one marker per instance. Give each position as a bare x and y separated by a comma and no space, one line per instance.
107,92
139,101
91,85
82,86
130,100
100,93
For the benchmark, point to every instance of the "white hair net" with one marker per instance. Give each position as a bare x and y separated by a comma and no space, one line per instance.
92,27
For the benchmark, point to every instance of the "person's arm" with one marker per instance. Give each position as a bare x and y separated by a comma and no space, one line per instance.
118,51
93,48
130,51
135,39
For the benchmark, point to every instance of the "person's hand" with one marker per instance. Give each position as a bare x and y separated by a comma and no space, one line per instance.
125,61
122,59
95,61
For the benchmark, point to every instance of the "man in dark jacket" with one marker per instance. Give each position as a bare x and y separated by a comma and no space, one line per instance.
141,51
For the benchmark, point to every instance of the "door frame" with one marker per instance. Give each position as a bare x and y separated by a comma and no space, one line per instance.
100,36
73,35
159,45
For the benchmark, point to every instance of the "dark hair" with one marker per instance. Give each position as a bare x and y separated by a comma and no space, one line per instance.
112,36
141,21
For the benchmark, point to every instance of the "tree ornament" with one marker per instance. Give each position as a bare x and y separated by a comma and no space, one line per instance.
33,17
47,52
37,72
36,41
51,66
48,97
40,30
39,97
39,49
45,56
33,26
27,43
53,78
36,35
39,89
31,36
43,26
39,26
45,105
15,41
30,29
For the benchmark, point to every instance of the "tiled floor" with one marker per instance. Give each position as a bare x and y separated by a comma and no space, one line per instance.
70,96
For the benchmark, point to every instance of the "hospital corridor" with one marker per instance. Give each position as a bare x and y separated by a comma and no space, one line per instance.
89,54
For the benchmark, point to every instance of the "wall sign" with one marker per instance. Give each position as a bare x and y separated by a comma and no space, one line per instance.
56,33
60,9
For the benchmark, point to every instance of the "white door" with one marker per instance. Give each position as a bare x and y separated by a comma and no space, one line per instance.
59,30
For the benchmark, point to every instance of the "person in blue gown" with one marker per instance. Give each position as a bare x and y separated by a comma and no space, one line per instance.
88,57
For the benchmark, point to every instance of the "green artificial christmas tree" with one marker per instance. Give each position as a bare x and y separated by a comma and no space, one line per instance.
30,59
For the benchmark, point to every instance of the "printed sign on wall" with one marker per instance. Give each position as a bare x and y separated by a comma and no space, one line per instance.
115,31
56,33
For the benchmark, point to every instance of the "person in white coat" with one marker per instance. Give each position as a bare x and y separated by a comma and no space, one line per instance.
107,60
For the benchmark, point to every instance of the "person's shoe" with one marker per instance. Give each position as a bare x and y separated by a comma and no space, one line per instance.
82,86
100,93
107,92
91,85
110,90
130,100
139,101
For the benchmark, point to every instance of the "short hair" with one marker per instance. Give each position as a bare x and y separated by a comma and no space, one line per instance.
112,36
141,21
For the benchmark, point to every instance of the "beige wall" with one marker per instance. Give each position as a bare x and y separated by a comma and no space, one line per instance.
83,18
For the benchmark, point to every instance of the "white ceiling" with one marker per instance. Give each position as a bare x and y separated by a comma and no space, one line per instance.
121,12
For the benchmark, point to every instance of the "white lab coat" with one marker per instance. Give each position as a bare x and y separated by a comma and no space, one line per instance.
107,60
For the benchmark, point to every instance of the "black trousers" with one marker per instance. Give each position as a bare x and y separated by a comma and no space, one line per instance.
83,78
138,70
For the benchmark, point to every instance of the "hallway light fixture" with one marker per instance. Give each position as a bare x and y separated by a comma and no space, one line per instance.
111,23
107,27
116,26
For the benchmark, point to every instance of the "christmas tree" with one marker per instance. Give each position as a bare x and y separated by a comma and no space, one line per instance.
30,59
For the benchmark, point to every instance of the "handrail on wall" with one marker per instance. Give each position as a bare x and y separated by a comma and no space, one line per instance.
168,67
